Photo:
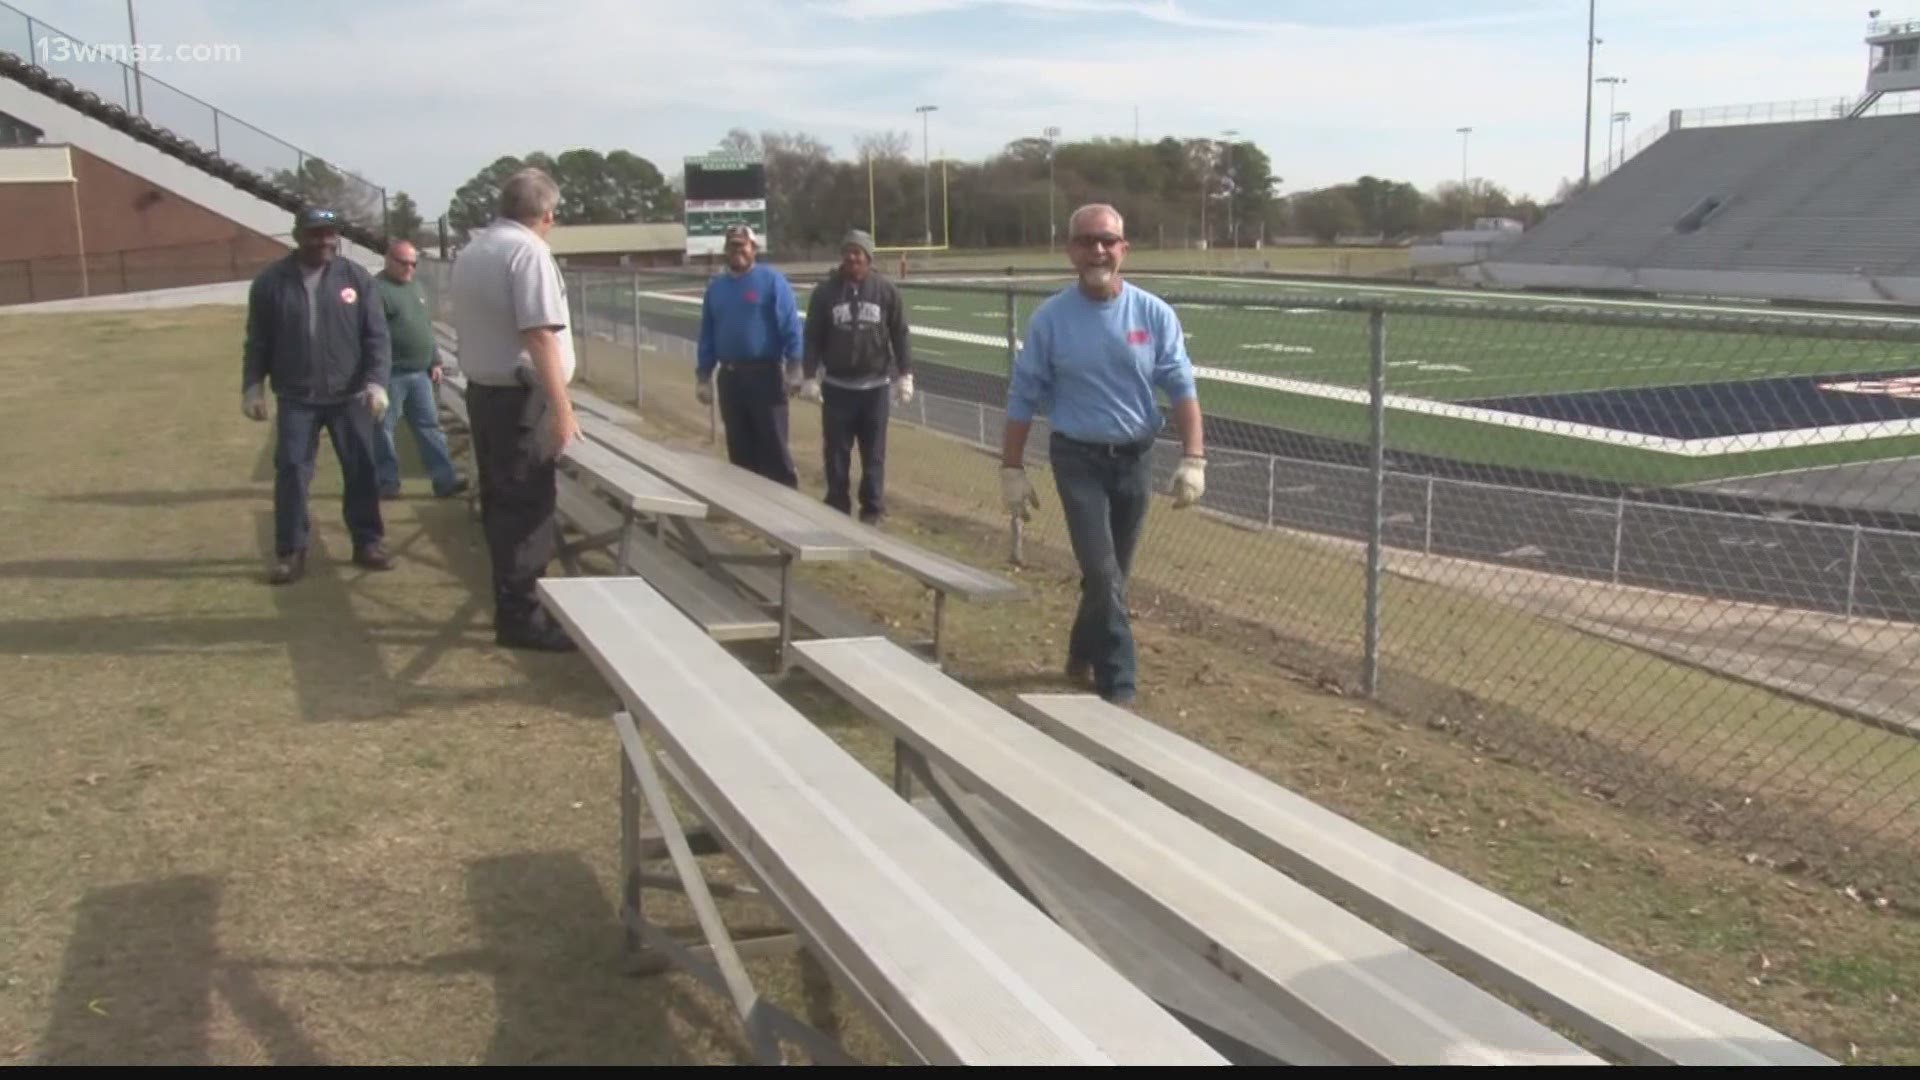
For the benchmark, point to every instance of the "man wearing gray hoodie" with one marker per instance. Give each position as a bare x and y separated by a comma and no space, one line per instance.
857,363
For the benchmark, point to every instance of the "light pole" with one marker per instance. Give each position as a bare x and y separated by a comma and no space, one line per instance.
1233,238
1586,145
1465,133
1620,119
133,39
1613,89
1052,133
926,162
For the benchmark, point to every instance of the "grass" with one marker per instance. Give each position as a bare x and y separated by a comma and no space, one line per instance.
1261,329
333,824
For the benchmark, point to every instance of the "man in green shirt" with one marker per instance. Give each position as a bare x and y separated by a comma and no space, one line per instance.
416,375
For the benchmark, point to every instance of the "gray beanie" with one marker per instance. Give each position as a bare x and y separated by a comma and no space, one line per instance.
860,239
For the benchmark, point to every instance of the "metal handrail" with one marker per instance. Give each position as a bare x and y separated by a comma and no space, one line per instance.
132,89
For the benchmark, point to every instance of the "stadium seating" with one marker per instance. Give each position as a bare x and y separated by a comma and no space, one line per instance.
1768,209
86,102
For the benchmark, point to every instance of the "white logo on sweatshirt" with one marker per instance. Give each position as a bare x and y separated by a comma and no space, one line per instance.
843,314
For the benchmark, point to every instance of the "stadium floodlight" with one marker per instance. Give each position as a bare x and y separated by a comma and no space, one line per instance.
1233,238
926,162
1614,82
1052,133
1465,133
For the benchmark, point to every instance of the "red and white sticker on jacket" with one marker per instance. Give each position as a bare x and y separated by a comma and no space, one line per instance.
349,294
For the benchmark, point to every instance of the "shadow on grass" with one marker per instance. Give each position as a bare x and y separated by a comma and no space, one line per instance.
551,944
143,968
141,971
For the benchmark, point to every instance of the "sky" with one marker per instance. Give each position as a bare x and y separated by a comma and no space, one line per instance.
418,95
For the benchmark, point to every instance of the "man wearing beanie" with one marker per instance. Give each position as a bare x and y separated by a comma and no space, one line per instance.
856,358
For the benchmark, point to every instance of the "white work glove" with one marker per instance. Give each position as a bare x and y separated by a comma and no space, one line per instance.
703,390
1016,491
795,379
1189,482
376,398
253,402
903,389
810,390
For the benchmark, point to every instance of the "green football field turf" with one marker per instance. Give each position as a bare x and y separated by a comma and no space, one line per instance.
1275,329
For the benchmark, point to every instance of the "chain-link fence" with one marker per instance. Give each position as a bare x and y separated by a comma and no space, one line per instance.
100,74
1670,555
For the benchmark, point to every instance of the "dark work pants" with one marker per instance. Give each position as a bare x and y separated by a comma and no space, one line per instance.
517,486
753,406
1104,495
847,417
349,425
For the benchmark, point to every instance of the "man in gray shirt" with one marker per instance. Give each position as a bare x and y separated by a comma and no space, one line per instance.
510,312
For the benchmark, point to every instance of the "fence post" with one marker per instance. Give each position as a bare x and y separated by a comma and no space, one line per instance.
1377,461
1853,568
981,409
1272,479
580,326
216,133
1426,544
636,339
1619,533
1012,332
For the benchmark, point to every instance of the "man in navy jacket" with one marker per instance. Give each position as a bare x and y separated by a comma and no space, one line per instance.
316,334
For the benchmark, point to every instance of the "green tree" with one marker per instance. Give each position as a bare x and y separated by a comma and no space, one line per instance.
1326,214
403,219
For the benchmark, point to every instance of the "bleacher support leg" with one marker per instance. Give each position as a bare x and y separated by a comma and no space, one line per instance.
786,615
939,626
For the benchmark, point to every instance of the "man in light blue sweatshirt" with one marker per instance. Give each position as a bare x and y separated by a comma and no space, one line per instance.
750,334
1093,357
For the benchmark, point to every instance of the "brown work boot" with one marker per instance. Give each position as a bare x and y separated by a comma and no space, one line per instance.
374,557
288,568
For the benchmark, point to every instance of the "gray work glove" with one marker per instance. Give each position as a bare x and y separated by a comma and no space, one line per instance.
703,390
253,402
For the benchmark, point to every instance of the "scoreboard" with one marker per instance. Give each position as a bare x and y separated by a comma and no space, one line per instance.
723,190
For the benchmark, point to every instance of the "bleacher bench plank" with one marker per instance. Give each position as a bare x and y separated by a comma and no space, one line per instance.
1351,987
1634,1012
632,485
1182,980
812,608
931,568
728,490
593,404
723,613
963,968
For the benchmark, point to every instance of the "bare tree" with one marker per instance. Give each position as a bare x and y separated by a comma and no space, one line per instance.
884,146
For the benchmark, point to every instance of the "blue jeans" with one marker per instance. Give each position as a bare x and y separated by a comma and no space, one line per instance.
297,430
412,393
1104,493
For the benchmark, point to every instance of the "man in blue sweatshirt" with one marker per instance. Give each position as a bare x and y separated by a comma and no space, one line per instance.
750,335
1094,355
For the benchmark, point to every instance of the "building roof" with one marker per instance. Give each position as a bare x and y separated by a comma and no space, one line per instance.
615,239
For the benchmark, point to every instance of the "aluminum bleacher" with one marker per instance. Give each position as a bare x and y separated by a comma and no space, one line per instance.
1821,209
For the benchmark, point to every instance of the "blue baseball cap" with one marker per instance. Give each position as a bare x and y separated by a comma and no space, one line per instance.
318,217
